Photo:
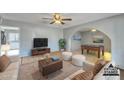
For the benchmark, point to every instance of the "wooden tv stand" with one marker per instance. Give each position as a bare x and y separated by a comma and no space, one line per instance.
40,51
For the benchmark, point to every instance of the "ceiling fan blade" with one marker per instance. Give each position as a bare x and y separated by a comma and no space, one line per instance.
47,18
62,23
52,22
66,19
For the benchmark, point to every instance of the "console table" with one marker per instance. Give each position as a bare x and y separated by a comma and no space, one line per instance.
99,49
40,51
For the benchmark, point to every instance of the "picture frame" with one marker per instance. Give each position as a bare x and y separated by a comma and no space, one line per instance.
77,37
98,39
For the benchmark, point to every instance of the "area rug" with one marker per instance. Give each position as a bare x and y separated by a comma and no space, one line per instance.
30,71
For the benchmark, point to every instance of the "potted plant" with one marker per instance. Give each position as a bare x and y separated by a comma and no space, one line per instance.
62,44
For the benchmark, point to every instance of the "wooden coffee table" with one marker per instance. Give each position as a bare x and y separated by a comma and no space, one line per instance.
48,66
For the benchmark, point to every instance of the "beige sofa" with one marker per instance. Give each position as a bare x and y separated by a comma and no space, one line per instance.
11,73
99,75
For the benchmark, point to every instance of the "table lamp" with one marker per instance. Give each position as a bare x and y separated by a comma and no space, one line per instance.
107,57
5,48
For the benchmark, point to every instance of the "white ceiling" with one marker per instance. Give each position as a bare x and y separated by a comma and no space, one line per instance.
77,18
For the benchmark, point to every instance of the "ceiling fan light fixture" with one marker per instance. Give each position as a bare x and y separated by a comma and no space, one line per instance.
57,16
58,19
57,22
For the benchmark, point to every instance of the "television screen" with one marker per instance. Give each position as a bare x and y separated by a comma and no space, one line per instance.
40,42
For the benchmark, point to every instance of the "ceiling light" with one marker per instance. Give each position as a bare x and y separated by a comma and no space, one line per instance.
93,30
57,22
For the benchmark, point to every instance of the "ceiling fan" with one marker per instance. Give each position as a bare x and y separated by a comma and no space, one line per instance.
58,19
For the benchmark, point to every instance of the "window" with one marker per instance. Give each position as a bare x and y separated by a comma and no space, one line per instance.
13,41
12,35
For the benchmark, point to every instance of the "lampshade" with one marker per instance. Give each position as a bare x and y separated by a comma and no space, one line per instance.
5,47
107,56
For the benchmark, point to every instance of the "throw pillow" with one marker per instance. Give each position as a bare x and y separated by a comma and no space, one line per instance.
88,75
4,62
55,58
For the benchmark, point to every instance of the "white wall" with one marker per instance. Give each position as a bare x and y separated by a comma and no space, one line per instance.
112,27
30,31
87,38
76,44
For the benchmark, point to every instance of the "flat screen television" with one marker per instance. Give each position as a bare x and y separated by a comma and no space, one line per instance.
40,42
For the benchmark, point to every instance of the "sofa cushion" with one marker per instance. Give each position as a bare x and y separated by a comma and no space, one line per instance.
4,62
99,75
88,75
98,66
74,74
11,72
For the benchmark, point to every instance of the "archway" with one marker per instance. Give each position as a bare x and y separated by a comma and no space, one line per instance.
90,38
75,45
70,35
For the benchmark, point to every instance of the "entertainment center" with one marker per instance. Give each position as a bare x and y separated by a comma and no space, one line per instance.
40,46
39,51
